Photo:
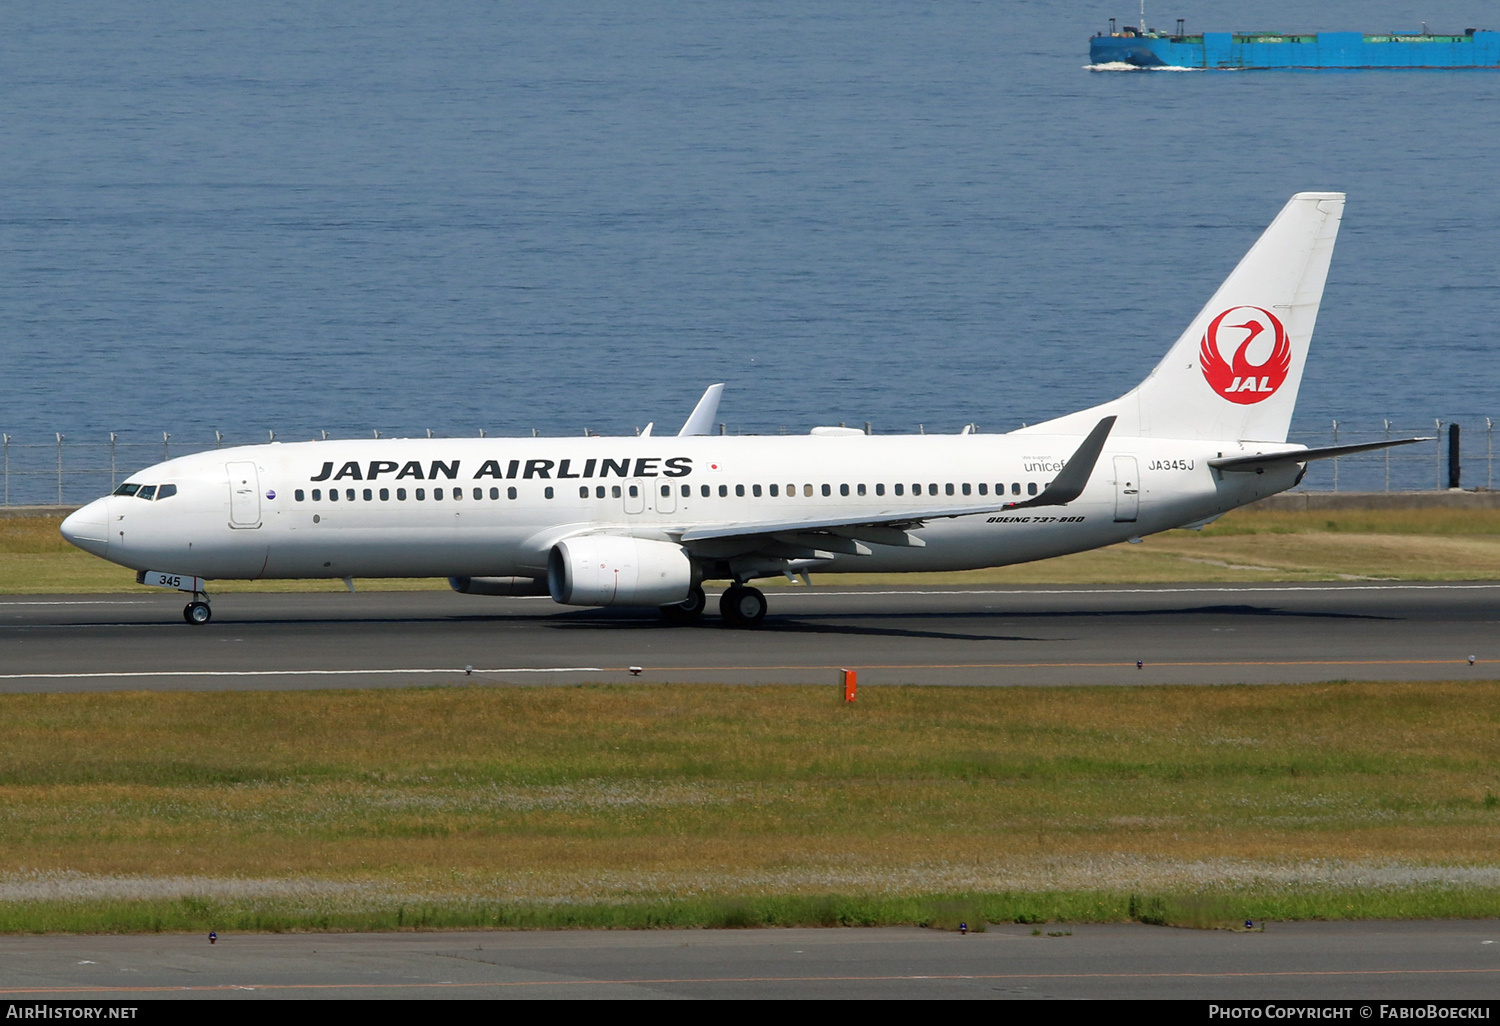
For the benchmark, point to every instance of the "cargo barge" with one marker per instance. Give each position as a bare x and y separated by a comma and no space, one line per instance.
1148,48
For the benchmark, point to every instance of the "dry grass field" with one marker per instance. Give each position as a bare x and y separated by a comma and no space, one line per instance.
1251,545
34,560
697,805
1243,546
639,805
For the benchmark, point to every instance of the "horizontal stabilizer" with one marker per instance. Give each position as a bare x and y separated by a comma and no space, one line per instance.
1075,475
1244,464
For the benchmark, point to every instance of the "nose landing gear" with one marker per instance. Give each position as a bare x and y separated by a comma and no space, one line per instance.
197,612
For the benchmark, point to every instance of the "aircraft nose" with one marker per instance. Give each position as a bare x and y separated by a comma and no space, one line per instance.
88,528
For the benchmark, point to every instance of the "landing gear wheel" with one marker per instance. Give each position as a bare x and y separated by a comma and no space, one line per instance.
687,611
742,606
197,613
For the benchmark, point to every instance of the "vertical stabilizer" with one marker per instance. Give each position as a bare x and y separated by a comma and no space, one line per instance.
1235,372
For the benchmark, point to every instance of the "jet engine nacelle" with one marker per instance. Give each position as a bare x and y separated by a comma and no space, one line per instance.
498,585
617,570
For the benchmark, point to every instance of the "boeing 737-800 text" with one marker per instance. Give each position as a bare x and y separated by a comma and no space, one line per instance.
644,521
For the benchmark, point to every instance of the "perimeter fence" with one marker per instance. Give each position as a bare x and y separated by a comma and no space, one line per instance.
71,470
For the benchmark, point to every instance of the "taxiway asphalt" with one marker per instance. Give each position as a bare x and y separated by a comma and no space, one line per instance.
1354,962
1209,634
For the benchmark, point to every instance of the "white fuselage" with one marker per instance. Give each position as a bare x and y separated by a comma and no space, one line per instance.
496,507
644,521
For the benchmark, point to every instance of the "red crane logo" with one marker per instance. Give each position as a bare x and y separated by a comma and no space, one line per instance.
1237,379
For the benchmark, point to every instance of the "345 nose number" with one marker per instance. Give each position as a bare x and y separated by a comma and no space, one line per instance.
157,579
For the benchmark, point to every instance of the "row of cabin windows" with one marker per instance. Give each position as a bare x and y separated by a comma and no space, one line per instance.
807,490
860,489
420,494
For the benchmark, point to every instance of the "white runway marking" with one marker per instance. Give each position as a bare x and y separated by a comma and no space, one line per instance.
1256,589
80,602
459,670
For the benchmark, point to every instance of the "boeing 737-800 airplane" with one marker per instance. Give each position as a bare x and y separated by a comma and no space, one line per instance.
644,521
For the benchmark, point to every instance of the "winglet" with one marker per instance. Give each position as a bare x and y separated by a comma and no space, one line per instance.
701,420
1075,475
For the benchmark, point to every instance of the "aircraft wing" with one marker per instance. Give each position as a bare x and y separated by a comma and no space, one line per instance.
1251,464
892,527
893,521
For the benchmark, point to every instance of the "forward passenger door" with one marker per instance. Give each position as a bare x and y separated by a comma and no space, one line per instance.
244,495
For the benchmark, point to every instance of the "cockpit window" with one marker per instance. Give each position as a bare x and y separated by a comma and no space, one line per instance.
127,489
148,492
166,492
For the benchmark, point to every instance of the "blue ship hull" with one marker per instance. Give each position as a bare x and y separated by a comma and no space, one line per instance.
1312,50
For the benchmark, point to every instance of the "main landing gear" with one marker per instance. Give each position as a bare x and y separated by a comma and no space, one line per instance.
197,612
742,606
688,611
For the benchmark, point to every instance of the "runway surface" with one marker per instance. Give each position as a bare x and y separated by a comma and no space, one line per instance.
986,636
972,636
1355,961
1214,634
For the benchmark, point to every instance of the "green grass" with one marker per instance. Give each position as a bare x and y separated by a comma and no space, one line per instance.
35,560
700,806
1256,545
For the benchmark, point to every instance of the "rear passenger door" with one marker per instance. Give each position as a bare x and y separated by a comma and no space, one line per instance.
1127,490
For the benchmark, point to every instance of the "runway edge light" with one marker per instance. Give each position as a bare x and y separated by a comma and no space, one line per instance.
850,682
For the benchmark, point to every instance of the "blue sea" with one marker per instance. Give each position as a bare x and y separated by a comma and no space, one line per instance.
561,217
